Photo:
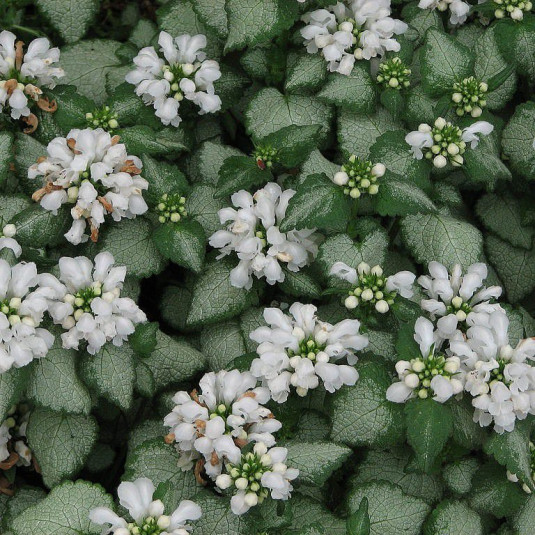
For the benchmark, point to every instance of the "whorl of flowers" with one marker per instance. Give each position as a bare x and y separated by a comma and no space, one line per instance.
469,96
24,74
458,300
300,351
14,450
515,9
430,374
253,234
86,301
21,313
359,176
444,142
91,170
459,10
212,425
363,29
498,376
184,73
372,289
147,516
256,475
394,74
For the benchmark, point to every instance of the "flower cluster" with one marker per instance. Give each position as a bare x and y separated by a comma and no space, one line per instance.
213,425
459,9
458,300
394,74
7,241
299,350
430,374
444,142
265,156
344,33
102,118
469,96
92,170
23,75
14,450
257,474
253,234
184,74
512,8
147,515
172,207
86,301
358,176
372,289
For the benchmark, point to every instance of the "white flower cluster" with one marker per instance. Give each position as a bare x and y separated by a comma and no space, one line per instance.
212,426
14,450
22,75
184,74
91,170
299,351
148,515
373,290
431,374
363,29
457,300
21,313
86,301
459,10
253,234
258,474
444,142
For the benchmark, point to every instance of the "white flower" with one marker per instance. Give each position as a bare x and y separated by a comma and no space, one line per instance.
256,475
147,514
433,373
458,9
22,75
92,171
214,424
479,127
419,140
86,302
21,313
363,30
184,74
5,436
298,350
7,241
372,289
253,233
458,299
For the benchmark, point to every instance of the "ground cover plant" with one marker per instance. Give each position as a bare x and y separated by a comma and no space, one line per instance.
267,267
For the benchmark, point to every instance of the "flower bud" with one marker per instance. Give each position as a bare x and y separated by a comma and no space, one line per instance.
260,448
457,301
377,270
363,268
402,366
411,380
241,483
382,306
346,26
279,467
424,128
301,392
452,365
440,123
457,98
378,170
367,295
341,178
223,481
112,123
453,149
418,366
164,522
373,189
440,161
251,499
188,69
9,231
351,302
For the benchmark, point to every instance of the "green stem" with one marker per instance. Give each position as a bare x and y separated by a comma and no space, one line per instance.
27,30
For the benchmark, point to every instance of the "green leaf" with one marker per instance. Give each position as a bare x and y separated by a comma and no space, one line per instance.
214,297
355,92
213,14
71,18
61,442
391,512
54,384
269,111
86,65
453,518
317,163
397,197
240,172
163,178
316,461
516,267
300,284
6,154
466,432
362,416
429,425
460,474
443,61
222,343
517,140
524,518
141,139
512,451
173,361
359,522
253,21
217,517
307,71
72,108
111,374
307,512
12,387
442,238
143,341
126,104
27,151
65,511
37,227
183,243
419,107
132,246
502,215
202,206
393,101
24,497
318,203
